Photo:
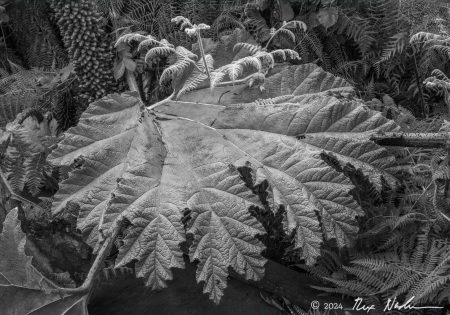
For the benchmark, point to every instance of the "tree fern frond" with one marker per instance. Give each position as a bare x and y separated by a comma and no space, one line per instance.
285,54
197,76
234,70
374,280
267,59
12,103
287,32
352,286
395,46
250,61
131,37
226,22
182,21
313,43
424,37
357,29
34,177
185,53
150,41
161,51
439,75
176,69
441,50
217,77
251,48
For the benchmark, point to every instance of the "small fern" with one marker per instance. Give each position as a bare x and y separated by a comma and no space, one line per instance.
419,269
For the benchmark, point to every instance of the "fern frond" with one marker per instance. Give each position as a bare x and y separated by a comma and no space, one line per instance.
185,53
395,46
375,280
441,50
133,37
151,16
250,61
34,167
234,70
226,22
267,59
285,54
16,171
439,75
287,32
161,51
182,21
150,41
295,24
424,37
251,48
217,77
357,29
197,76
313,43
176,69
12,103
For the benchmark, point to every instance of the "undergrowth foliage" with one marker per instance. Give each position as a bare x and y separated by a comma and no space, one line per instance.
265,153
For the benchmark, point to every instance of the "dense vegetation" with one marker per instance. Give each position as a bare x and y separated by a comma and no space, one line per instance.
136,133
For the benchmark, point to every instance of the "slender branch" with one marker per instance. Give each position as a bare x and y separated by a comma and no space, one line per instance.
202,52
153,106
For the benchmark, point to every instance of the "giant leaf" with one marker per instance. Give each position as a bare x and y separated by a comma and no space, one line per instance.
150,167
23,289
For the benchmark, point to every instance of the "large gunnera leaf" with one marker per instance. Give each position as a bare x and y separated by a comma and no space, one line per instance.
151,167
23,289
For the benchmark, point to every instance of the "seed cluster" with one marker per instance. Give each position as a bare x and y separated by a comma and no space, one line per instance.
89,48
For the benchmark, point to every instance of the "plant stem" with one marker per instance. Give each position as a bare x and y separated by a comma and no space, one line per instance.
202,52
96,266
153,106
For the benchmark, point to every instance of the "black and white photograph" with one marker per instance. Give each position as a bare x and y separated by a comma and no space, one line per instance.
224,157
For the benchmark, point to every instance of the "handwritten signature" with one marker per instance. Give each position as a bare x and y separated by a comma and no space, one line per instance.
391,304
